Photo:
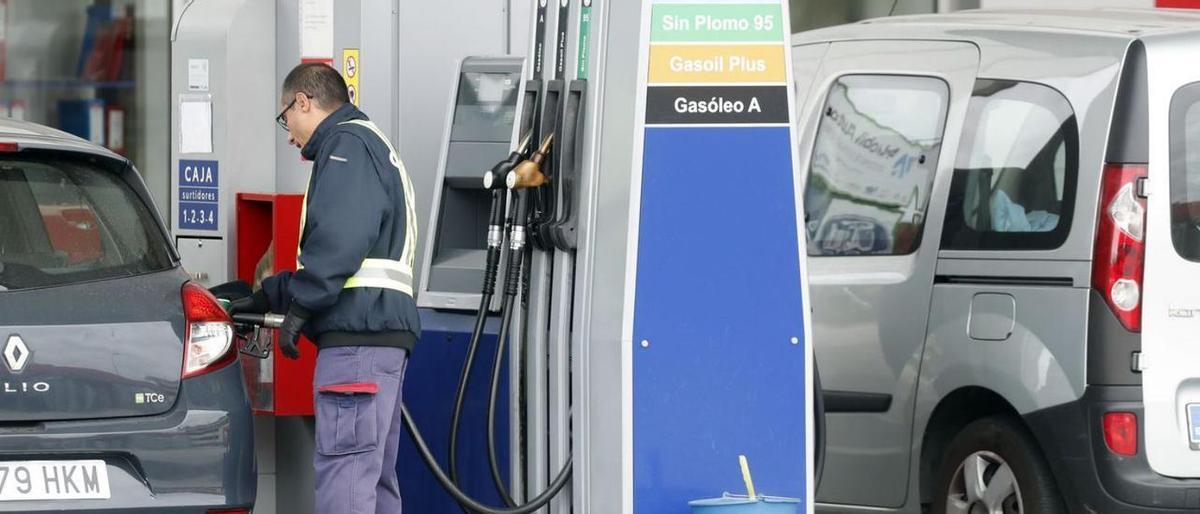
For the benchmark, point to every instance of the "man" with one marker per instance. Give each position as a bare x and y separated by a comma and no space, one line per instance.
352,292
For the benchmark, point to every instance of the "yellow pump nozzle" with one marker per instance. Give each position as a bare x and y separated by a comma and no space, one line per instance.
529,174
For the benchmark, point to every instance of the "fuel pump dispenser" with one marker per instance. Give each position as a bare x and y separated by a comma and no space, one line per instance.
656,336
659,336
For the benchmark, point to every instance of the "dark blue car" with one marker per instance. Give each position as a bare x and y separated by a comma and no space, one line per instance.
120,389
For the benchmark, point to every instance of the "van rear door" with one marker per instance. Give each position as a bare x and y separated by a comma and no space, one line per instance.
1170,359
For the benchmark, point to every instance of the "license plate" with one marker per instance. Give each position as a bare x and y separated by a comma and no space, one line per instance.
53,480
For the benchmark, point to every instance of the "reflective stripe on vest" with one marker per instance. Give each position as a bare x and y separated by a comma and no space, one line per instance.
382,273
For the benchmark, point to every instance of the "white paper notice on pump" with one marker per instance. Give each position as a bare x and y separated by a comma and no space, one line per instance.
316,29
195,125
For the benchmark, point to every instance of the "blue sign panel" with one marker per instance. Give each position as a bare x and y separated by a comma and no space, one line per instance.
199,195
720,346
718,330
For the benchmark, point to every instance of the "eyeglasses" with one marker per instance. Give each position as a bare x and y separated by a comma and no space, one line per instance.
281,120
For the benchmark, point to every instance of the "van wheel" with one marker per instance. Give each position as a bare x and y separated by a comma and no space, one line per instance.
993,466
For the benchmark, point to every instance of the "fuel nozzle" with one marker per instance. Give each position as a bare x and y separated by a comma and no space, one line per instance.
529,174
493,178
492,181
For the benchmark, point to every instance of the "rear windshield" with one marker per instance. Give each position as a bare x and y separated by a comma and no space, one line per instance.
66,219
1185,171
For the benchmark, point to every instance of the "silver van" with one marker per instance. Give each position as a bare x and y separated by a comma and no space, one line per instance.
1003,219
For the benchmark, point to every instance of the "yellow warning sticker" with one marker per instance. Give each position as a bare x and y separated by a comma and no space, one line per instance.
350,71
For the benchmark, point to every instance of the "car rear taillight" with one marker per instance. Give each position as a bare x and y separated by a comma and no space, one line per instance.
1121,433
208,332
1120,257
6,147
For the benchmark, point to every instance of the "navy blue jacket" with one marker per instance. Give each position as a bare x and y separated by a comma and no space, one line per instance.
356,209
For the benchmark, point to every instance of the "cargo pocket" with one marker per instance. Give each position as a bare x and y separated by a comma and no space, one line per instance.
346,420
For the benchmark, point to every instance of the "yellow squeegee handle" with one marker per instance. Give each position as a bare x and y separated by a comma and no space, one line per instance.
746,477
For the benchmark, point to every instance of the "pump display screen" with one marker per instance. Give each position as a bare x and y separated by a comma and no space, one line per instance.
486,106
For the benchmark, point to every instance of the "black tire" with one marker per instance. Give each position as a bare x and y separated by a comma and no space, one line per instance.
1012,443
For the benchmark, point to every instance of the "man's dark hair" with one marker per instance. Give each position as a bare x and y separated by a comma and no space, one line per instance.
320,82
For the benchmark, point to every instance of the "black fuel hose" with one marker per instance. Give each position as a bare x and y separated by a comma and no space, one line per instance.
493,180
512,285
517,213
512,282
463,380
493,460
463,499
495,243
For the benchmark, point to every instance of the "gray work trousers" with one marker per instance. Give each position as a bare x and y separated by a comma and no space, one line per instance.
357,390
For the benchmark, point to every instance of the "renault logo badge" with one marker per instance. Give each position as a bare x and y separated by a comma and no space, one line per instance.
16,354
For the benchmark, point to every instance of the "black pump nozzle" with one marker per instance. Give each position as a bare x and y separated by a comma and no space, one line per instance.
494,178
494,181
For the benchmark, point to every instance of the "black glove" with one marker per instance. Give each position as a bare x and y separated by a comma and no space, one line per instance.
289,331
256,303
231,290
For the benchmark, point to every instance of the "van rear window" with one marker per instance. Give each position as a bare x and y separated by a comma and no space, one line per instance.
67,219
1185,171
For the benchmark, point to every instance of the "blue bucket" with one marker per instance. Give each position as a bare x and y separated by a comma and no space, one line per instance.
741,504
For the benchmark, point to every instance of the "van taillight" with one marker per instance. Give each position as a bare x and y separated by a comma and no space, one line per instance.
208,332
1121,433
1120,257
